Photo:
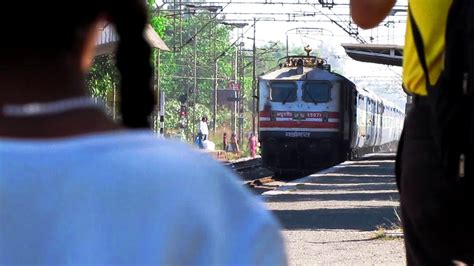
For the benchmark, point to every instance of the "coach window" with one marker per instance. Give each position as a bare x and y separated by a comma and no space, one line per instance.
317,92
283,91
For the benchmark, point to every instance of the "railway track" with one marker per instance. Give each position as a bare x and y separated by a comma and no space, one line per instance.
252,173
245,164
258,178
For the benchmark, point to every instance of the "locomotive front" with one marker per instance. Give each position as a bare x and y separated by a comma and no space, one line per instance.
300,116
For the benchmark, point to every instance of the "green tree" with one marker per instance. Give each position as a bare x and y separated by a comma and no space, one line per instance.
212,43
102,76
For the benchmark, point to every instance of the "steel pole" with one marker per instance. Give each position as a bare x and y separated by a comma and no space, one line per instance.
254,78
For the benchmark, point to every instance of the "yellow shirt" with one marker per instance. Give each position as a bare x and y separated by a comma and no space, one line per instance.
430,17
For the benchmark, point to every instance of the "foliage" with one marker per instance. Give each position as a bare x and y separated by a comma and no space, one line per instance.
203,43
224,117
172,119
159,24
199,44
102,76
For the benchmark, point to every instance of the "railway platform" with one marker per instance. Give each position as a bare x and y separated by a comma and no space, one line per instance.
344,215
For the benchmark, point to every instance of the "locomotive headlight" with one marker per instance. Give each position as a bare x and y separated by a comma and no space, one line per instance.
267,106
273,116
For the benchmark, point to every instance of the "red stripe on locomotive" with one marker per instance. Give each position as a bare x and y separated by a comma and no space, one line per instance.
298,124
288,114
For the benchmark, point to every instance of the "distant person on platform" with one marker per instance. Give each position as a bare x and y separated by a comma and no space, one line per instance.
203,131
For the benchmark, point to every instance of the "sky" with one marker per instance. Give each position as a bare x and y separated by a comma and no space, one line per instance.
282,20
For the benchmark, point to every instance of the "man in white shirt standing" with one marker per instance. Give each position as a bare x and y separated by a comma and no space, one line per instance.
203,131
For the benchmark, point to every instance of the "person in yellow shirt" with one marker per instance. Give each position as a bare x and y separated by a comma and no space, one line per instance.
434,208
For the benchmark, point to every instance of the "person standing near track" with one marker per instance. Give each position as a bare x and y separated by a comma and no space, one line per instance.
79,188
234,144
225,141
203,132
435,197
253,145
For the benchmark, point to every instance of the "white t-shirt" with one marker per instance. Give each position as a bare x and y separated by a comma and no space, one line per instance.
127,198
203,128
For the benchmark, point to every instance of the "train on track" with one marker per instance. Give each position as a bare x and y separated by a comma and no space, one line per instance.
310,117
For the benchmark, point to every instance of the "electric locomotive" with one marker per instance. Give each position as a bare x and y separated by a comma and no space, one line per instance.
310,117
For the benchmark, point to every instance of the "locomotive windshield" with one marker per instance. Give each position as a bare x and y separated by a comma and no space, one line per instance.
283,92
317,92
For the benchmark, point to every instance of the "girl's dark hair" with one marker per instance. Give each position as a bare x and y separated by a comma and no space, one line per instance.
53,29
133,62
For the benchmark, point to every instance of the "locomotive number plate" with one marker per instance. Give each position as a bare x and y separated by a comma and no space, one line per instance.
299,116
297,134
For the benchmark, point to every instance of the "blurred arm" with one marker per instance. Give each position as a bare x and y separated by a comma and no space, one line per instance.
369,13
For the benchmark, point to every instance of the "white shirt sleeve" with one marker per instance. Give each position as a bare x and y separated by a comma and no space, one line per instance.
203,128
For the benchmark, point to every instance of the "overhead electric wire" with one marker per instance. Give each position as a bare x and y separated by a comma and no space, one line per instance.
203,27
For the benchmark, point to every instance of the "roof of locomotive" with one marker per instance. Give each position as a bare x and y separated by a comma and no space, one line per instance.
302,68
308,73
316,72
